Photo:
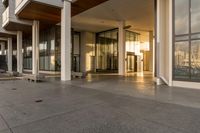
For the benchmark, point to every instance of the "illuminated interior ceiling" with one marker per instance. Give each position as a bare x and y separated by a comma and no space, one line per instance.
137,13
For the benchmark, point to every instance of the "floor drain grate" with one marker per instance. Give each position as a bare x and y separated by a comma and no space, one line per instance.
39,101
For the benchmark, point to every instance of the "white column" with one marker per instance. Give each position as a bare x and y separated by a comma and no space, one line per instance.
9,53
35,47
151,58
164,42
121,45
66,41
3,48
19,52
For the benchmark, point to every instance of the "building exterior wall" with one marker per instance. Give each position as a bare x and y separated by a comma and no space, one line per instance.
163,44
2,30
13,17
8,15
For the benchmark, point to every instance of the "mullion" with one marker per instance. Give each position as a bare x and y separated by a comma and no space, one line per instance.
190,75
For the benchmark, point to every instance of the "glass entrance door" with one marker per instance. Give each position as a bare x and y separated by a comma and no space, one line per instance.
131,62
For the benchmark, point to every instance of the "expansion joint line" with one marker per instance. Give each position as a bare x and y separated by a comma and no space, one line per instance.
6,123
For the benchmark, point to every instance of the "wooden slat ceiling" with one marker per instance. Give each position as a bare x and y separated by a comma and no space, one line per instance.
83,5
52,15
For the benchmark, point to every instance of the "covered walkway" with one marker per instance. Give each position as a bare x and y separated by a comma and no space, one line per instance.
98,104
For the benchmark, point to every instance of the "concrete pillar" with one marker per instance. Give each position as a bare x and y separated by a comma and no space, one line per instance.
122,50
151,58
164,42
19,52
9,53
66,41
3,47
35,47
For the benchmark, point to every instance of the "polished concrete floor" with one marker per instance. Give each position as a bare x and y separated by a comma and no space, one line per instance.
98,104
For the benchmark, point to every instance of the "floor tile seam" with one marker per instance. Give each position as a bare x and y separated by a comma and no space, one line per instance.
55,115
74,100
143,98
143,118
176,104
6,130
165,125
8,126
2,106
154,99
124,96
139,117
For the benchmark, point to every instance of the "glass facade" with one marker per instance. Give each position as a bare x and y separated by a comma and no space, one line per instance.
49,50
187,40
48,46
27,51
107,50
132,51
76,53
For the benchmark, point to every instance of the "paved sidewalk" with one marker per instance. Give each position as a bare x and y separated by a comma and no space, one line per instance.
109,104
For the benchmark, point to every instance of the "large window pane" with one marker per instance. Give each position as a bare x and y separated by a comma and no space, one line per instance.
195,16
181,60
181,17
107,49
195,59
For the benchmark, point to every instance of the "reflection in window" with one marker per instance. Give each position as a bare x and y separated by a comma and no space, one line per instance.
181,17
27,46
195,59
181,60
107,50
132,42
49,47
195,16
187,47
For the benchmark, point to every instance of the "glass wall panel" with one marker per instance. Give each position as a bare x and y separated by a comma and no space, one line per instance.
58,49
107,51
76,46
50,49
27,51
182,60
132,50
47,49
195,59
195,36
195,16
181,17
187,42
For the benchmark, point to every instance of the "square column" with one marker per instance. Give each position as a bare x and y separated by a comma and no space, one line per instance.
122,49
66,41
35,47
3,47
164,43
151,44
19,52
9,54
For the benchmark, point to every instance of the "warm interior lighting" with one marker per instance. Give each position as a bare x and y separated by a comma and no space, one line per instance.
145,46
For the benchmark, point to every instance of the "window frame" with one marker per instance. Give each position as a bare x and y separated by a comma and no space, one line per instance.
190,39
